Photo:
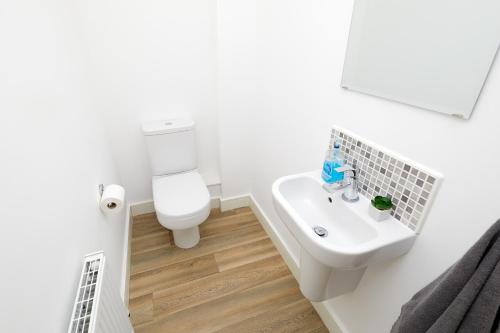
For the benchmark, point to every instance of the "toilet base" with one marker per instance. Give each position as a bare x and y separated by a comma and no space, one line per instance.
187,238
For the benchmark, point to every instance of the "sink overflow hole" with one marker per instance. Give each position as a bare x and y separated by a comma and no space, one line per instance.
320,231
330,199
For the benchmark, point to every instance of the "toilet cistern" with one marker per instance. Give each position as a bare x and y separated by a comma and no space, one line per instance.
181,198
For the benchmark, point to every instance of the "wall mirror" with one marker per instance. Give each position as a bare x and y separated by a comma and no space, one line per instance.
433,54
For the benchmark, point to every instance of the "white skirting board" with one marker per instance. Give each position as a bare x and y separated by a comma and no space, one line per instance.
127,237
145,207
234,202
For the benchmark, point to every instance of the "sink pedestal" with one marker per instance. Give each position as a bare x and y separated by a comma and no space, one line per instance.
319,282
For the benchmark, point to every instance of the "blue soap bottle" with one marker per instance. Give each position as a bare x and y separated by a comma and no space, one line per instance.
327,165
333,160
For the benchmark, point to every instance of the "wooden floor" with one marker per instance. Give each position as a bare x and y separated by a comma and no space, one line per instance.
234,280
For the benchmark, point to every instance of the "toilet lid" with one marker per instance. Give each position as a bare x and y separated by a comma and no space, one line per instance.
182,194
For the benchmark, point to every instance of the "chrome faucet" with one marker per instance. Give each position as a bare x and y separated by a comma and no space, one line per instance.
351,190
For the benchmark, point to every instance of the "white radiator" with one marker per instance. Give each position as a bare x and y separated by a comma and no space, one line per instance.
98,306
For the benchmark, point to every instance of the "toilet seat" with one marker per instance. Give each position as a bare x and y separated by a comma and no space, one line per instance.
181,200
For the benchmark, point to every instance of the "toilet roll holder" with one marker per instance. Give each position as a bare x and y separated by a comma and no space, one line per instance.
110,205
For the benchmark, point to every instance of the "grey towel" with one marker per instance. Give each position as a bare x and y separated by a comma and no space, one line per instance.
465,298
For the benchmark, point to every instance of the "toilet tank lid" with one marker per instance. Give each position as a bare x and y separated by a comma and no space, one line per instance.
158,127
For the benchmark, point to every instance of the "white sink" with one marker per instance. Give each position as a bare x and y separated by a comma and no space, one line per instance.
334,264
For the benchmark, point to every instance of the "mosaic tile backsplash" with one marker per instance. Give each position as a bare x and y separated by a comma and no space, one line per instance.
382,173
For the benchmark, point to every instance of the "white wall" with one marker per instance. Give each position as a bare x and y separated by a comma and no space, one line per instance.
301,47
274,87
236,63
53,155
151,60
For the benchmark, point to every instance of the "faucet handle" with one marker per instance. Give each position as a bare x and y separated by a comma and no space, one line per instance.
346,168
351,193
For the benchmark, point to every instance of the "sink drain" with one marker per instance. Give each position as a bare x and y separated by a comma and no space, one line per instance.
320,231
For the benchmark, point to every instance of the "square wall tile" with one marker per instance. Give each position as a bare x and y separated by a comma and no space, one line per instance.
411,186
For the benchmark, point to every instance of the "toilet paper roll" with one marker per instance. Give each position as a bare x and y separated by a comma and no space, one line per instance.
113,199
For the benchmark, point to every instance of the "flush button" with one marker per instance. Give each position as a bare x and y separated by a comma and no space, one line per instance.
320,231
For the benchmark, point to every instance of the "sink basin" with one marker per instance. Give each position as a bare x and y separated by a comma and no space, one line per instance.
334,263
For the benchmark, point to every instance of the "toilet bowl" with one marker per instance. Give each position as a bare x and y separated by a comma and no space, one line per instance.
181,198
182,203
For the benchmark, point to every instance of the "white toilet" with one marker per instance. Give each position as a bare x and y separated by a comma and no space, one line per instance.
181,198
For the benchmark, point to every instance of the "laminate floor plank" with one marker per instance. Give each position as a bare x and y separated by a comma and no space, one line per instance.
141,309
171,275
144,218
212,316
322,329
234,280
294,317
153,241
216,212
155,259
227,224
144,225
245,254
207,289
